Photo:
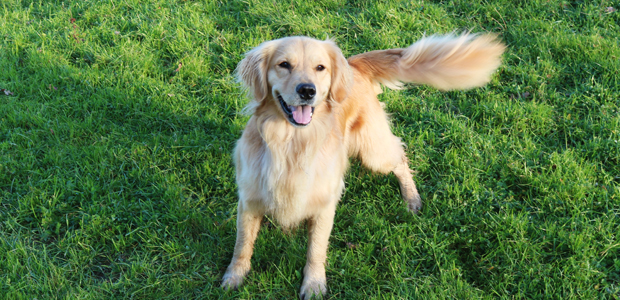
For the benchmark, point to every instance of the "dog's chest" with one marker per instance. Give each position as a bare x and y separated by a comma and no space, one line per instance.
291,180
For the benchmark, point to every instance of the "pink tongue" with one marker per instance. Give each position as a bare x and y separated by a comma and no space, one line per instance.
302,114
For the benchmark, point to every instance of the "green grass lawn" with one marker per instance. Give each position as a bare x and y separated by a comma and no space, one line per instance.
116,177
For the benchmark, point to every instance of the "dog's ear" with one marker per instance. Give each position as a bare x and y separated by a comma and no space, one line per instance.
252,70
342,76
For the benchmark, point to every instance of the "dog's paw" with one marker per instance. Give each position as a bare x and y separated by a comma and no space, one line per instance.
232,281
408,190
414,203
235,273
313,289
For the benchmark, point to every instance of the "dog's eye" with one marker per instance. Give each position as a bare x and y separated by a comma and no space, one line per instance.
285,65
320,68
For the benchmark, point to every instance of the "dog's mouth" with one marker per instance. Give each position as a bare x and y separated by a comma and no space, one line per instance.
300,115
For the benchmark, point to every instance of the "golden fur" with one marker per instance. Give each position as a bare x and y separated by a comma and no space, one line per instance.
295,172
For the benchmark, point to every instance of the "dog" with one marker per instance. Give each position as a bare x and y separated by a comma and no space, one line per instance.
311,109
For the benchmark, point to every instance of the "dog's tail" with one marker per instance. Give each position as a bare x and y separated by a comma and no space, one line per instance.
445,62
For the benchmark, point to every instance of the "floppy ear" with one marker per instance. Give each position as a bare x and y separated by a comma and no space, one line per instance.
342,76
252,70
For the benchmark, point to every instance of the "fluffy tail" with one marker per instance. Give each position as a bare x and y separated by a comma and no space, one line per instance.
445,62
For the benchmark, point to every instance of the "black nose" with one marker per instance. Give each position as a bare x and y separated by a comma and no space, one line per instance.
306,91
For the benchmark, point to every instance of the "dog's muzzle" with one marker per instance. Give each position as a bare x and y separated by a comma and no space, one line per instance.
299,115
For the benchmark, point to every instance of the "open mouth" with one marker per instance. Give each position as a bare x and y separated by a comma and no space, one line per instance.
300,115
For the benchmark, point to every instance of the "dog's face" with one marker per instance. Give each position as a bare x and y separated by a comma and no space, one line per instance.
300,79
298,73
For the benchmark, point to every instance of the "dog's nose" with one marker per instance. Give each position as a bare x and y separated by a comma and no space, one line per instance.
306,91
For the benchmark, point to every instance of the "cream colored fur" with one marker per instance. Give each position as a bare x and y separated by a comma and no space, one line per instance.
296,173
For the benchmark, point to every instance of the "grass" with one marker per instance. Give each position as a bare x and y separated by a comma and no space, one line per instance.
116,179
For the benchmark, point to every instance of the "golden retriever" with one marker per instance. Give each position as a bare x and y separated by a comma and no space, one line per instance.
311,110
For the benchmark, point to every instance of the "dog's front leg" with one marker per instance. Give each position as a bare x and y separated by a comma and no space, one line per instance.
319,229
248,223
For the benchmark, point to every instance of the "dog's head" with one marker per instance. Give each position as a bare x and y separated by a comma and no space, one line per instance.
298,74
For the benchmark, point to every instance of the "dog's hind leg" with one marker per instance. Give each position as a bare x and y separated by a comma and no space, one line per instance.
248,224
383,152
408,189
